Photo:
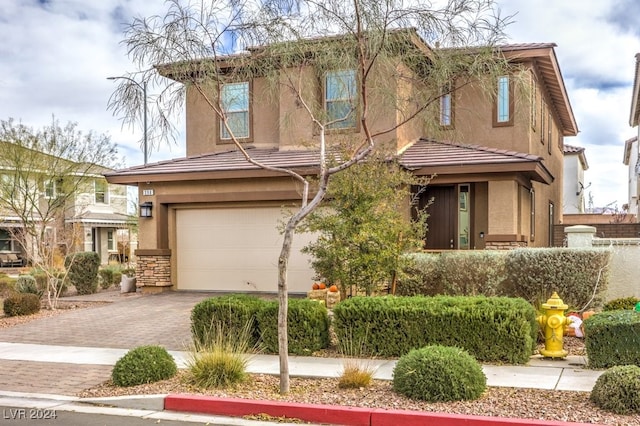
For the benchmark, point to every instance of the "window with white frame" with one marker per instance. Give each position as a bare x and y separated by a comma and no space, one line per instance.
101,192
446,110
111,244
235,106
503,109
340,99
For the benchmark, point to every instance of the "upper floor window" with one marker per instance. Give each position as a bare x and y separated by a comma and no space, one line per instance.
340,99
503,109
446,110
101,192
50,189
235,106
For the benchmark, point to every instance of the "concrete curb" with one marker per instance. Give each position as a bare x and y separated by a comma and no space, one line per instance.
338,415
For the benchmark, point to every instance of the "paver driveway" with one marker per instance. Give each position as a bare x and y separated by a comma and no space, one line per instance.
126,322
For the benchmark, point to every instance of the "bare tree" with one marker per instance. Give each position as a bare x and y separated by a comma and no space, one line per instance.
202,48
42,173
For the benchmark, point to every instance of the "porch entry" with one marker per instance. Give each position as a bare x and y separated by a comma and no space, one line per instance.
449,221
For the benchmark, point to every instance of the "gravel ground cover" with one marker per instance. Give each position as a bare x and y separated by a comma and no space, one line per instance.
497,401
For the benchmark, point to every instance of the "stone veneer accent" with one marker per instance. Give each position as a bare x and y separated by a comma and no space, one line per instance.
505,245
153,270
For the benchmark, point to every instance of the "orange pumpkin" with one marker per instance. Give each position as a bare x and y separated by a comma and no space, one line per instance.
315,286
322,286
333,289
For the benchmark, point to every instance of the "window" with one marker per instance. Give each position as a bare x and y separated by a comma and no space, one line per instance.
551,221
5,240
532,223
101,191
503,111
340,99
235,106
549,131
110,241
534,111
50,189
446,109
542,116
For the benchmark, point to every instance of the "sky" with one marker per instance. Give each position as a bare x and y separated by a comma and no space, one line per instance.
56,55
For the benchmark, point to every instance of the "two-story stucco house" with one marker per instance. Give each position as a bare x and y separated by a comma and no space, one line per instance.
92,217
497,166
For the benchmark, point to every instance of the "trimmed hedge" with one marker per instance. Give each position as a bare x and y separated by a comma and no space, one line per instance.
532,274
613,338
576,275
491,329
233,312
307,326
628,303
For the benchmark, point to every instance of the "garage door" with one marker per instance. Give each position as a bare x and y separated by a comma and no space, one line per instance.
236,249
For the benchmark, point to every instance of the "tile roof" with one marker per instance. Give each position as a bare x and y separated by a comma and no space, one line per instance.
207,165
570,149
429,155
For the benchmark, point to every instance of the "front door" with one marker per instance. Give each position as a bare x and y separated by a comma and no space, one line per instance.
449,221
441,223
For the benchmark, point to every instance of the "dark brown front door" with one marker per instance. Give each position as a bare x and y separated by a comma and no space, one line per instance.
443,214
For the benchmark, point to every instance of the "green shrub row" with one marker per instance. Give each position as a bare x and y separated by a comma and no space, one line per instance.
613,338
491,329
308,322
580,276
307,326
109,275
21,304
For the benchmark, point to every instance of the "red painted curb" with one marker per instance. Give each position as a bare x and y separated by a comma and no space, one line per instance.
420,418
339,415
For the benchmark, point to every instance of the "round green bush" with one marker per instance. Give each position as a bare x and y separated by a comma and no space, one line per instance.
29,284
618,390
144,364
439,373
21,304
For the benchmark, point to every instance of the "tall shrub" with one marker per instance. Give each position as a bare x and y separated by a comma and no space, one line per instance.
83,271
580,276
472,273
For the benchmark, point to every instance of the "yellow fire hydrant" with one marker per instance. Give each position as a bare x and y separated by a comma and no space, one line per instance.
553,323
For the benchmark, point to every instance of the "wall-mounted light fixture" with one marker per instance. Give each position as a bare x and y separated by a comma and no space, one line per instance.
481,234
145,209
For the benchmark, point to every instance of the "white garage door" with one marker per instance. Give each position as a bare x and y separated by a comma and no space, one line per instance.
236,249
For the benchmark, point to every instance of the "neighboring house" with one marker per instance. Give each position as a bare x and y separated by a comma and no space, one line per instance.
498,178
93,219
99,214
630,159
631,152
575,164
